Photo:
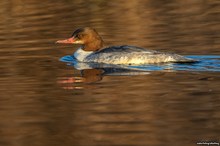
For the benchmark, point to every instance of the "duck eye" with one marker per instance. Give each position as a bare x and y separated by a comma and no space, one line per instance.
81,36
77,36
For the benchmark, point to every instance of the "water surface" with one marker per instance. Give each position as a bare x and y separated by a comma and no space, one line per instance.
45,101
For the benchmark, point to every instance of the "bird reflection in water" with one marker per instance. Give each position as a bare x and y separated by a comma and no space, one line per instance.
75,82
93,72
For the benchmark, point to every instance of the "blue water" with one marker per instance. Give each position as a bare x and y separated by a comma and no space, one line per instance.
210,63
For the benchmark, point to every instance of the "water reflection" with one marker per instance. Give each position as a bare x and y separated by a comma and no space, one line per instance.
94,72
86,76
160,108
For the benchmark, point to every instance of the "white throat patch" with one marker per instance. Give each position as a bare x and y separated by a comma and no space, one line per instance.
80,54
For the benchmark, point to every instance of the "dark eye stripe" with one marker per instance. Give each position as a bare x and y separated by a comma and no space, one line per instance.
75,33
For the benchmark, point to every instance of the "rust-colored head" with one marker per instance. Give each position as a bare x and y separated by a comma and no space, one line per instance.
86,36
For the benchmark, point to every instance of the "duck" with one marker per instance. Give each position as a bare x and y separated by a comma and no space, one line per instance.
93,50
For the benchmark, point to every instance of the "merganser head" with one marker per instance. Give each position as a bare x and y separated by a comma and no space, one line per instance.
88,37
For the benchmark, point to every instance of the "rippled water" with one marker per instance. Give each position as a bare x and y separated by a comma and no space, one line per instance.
46,102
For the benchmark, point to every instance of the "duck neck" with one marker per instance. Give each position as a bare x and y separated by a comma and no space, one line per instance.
94,45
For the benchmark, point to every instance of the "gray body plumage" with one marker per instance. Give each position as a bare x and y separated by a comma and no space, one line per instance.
131,55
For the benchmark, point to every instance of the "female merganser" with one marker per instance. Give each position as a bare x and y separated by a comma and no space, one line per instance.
93,50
